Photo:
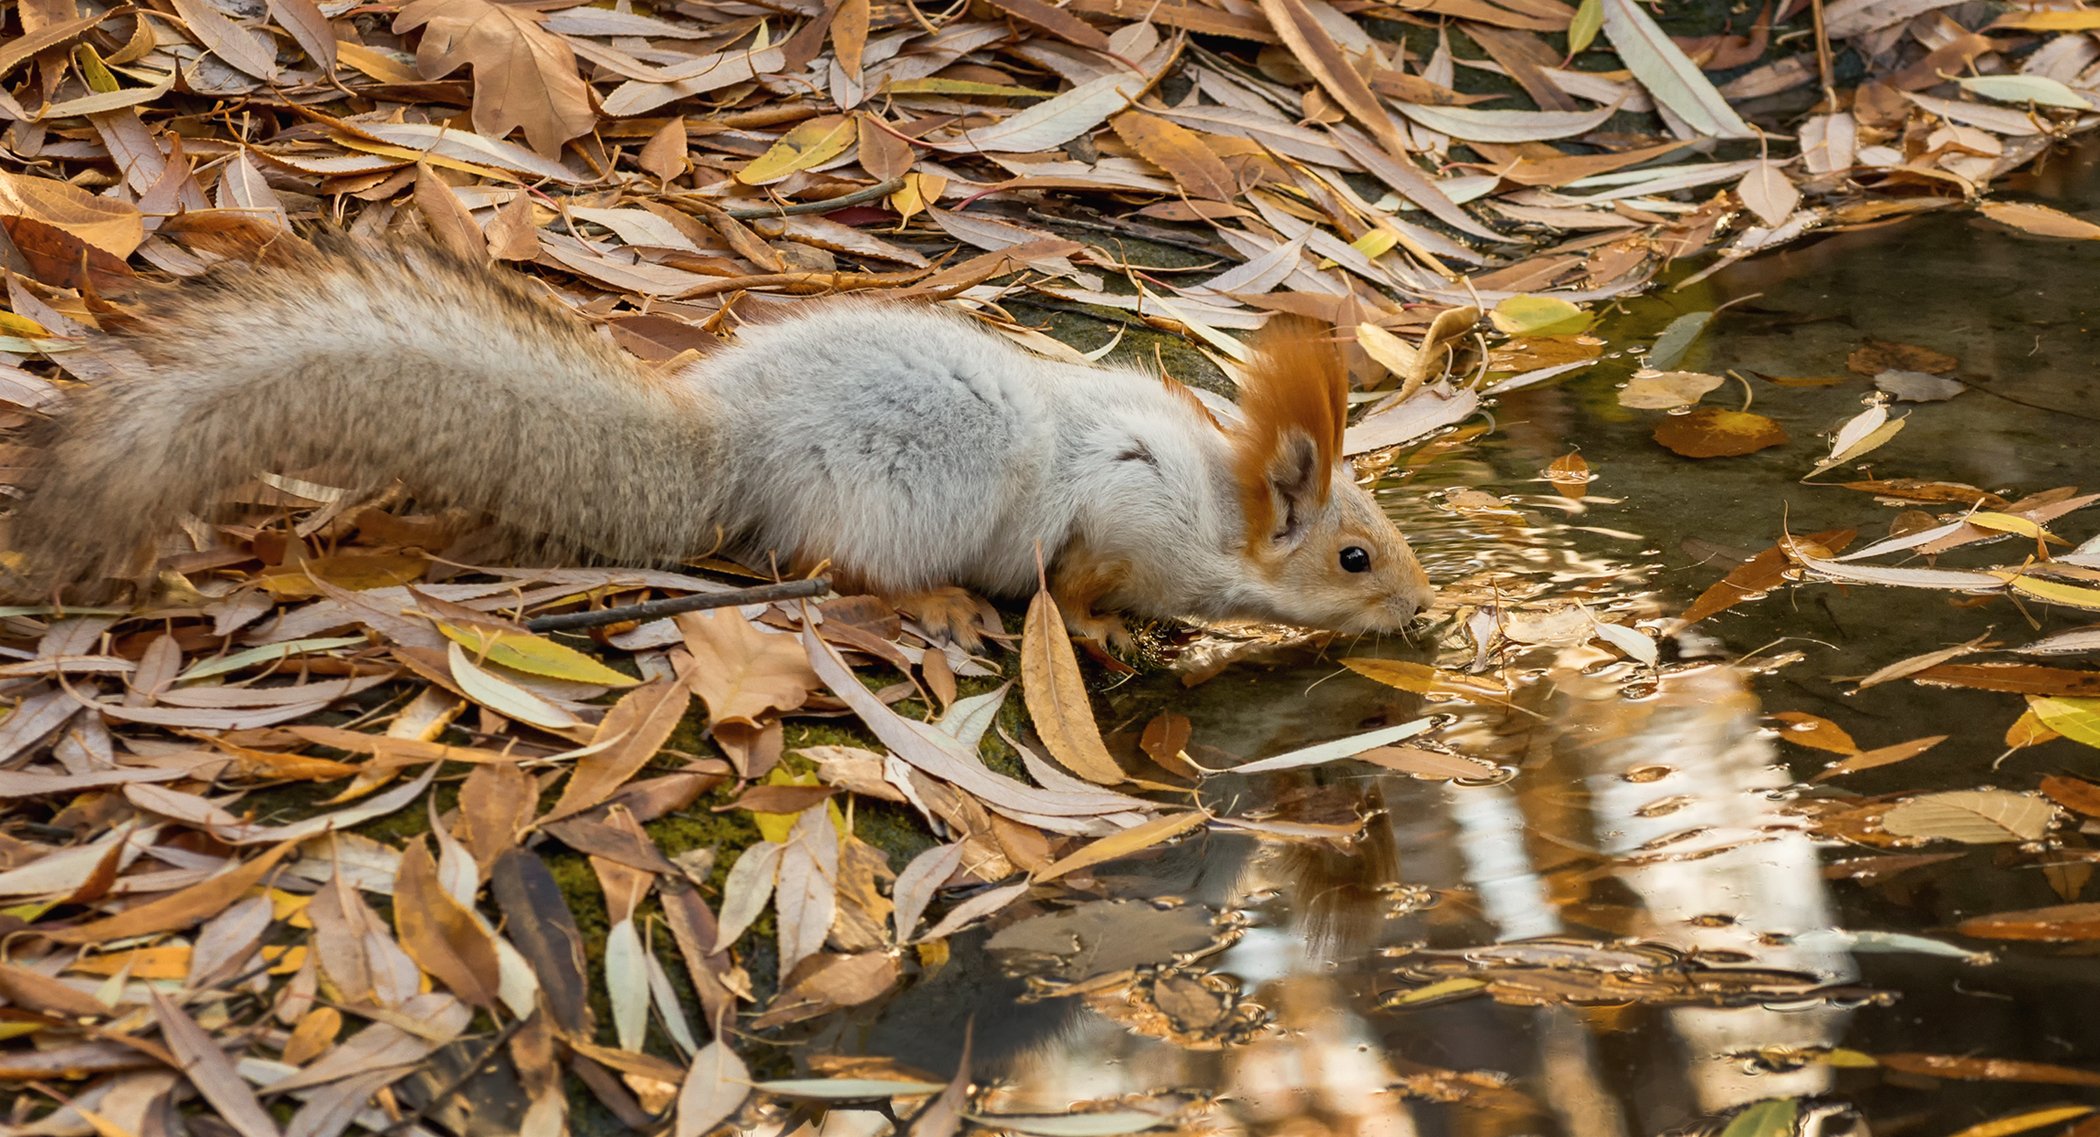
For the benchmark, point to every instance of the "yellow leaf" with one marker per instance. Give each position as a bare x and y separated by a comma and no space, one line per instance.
812,142
2022,1122
2011,523
2075,719
937,86
1131,840
2053,591
533,655
1423,679
1539,316
2028,730
356,572
1376,243
1056,696
1582,30
1438,991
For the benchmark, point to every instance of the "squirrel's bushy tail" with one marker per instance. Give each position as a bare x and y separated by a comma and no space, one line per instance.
368,363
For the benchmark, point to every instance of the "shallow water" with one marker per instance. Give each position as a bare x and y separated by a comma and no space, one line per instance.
1258,977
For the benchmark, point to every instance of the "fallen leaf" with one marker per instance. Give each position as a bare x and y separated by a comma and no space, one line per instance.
1057,699
1711,432
1666,390
1539,316
811,143
1973,817
524,75
1135,839
1569,476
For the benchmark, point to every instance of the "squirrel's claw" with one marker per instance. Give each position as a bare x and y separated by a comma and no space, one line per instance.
947,611
1108,630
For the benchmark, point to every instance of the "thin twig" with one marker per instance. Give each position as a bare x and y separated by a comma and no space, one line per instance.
873,193
698,602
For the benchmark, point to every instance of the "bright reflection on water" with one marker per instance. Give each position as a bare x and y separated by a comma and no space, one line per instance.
1292,987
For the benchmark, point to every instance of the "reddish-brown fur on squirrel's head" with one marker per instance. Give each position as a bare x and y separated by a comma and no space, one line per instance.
1325,554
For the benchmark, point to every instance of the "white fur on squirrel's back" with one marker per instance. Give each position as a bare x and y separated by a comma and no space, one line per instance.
914,448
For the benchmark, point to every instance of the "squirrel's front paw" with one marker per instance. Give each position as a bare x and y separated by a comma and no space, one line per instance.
1108,630
955,613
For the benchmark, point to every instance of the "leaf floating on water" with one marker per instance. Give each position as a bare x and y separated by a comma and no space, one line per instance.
1972,817
1877,356
1988,1069
1864,432
1815,732
2022,1122
1135,839
2075,794
2040,220
1769,194
1666,390
2060,923
1918,386
1711,432
1676,339
1539,316
2052,591
1881,756
1570,476
2075,719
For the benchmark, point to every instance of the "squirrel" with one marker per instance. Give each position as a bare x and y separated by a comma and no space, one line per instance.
917,453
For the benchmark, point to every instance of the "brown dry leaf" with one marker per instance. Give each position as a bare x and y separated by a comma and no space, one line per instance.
208,1069
741,672
1056,695
828,982
182,909
1569,476
1181,152
1880,756
1137,838
1973,817
2040,220
2075,794
1876,356
1987,1069
1764,572
496,804
2061,923
237,46
1711,432
441,936
2014,678
524,75
631,734
1815,732
1300,30
2028,730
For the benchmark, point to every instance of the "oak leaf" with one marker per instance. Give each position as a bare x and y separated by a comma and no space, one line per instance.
524,75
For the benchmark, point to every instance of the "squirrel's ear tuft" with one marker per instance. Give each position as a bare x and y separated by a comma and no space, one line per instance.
1294,401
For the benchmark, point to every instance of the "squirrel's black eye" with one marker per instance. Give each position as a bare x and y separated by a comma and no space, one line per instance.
1356,559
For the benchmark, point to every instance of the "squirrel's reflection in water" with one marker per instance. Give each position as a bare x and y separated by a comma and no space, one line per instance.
1655,820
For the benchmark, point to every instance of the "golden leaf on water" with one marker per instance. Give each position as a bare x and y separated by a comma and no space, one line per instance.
1711,432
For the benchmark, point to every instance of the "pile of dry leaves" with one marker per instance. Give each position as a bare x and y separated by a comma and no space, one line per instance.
287,835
